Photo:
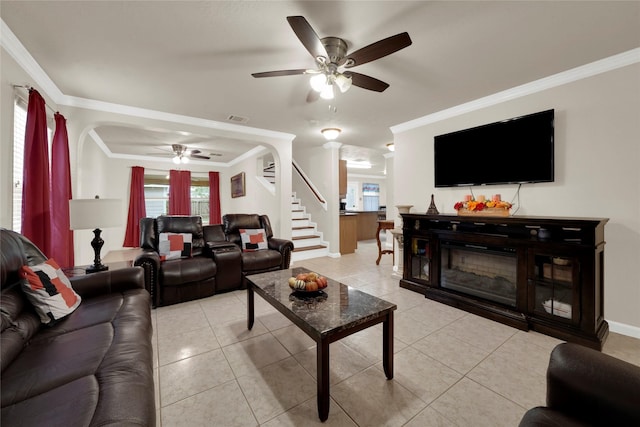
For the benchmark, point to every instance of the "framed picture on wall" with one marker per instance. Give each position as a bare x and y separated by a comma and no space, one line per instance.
237,185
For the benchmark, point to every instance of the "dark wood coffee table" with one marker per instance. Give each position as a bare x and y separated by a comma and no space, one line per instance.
327,316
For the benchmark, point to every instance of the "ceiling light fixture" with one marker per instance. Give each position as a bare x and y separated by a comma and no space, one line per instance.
331,133
391,146
323,81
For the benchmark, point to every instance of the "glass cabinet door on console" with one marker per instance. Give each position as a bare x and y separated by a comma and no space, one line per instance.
420,267
554,287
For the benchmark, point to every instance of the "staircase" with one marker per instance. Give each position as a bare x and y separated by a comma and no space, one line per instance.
269,172
307,240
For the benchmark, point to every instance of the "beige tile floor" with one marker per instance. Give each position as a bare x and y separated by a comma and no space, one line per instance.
452,368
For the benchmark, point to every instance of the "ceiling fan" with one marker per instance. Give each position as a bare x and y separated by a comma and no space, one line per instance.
333,61
182,154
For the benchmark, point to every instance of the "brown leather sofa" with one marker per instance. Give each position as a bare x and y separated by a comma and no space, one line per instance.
217,262
587,388
94,367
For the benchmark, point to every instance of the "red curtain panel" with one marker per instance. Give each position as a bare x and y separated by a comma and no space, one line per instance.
61,234
215,216
36,210
137,209
179,192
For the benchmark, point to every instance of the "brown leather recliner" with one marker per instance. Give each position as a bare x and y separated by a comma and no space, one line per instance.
587,388
276,257
214,264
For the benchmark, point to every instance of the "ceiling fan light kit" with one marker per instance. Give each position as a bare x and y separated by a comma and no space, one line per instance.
180,159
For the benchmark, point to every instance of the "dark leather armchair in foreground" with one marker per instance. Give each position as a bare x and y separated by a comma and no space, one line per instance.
588,388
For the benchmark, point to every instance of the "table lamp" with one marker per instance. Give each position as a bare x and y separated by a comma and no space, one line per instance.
87,214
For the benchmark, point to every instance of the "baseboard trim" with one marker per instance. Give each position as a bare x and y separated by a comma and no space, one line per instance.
624,329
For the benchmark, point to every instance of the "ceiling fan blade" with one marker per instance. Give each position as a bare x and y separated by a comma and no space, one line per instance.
377,50
366,82
279,73
195,154
307,36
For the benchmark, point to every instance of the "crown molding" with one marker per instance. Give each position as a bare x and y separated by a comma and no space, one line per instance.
614,62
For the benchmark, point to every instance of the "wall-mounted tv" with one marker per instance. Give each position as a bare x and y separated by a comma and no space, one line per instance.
513,151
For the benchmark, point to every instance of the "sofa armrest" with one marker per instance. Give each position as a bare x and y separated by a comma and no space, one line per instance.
592,386
223,244
285,247
106,282
149,260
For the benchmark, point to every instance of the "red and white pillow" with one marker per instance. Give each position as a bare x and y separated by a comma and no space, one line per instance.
253,239
174,245
49,291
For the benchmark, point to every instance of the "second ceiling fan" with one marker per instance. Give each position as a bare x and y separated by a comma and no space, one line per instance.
333,61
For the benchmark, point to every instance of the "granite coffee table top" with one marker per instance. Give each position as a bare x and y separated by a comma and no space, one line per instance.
336,308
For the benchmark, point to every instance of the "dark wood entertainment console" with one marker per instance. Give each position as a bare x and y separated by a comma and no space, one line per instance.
539,273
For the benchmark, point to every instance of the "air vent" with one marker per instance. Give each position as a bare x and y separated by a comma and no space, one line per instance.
237,119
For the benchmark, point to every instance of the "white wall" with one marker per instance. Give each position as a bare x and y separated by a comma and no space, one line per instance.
256,200
597,153
320,164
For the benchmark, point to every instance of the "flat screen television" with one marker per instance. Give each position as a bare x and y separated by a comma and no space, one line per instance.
513,151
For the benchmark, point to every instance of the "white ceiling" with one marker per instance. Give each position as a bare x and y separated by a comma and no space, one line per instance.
196,59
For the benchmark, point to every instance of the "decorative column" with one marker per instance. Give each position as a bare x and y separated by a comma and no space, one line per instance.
399,251
399,242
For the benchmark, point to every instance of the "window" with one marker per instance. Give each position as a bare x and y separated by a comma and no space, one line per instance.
156,196
19,125
371,196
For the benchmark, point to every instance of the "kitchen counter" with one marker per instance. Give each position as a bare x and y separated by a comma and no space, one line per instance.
348,230
366,223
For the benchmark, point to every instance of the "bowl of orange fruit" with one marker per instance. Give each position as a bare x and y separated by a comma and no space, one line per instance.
308,282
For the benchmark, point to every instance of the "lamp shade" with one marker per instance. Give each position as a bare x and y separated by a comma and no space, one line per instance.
88,214
343,82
